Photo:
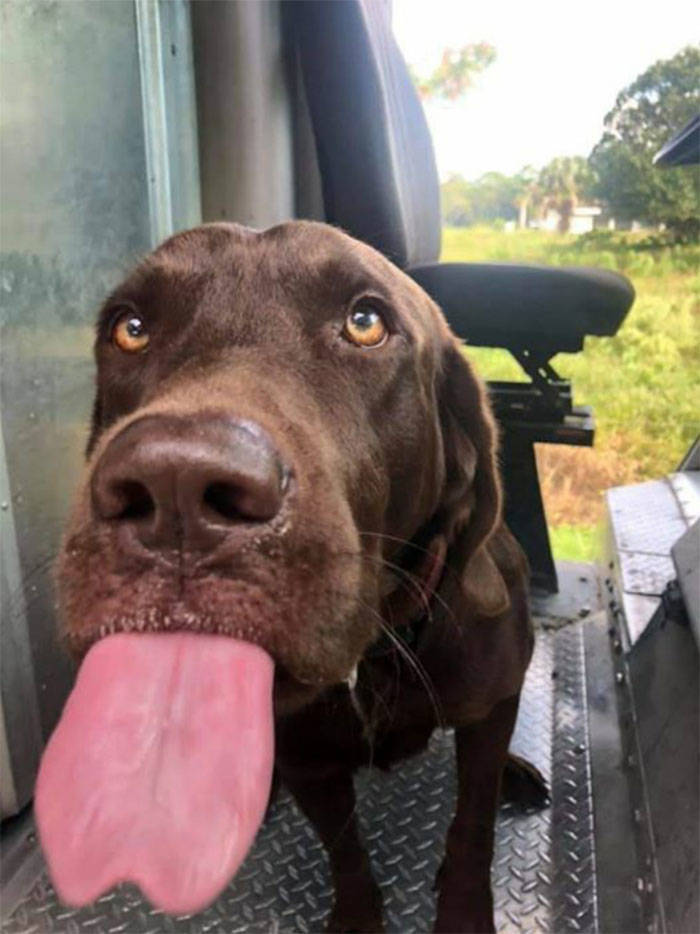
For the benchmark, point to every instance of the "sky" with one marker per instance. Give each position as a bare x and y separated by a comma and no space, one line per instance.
559,68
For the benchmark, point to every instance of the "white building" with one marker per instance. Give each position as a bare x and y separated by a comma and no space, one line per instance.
582,219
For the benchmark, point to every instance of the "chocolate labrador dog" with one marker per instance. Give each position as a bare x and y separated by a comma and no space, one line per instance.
289,533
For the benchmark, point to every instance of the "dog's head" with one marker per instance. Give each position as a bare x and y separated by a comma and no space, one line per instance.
280,418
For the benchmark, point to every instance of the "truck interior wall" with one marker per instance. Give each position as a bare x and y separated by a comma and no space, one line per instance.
89,183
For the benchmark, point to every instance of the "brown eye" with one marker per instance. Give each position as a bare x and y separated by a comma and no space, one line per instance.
365,326
129,333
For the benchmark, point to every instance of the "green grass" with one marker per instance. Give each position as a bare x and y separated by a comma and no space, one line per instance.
576,542
643,383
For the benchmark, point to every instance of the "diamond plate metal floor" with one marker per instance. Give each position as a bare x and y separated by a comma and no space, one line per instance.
543,871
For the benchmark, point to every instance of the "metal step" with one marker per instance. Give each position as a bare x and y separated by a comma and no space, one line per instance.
656,667
645,521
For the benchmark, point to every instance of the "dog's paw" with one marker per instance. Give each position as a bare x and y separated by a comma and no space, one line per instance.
523,784
357,908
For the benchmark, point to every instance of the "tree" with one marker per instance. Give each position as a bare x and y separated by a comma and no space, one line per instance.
528,194
562,185
455,202
493,197
456,72
646,114
489,198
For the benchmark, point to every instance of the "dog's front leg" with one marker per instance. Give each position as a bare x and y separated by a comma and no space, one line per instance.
329,803
465,903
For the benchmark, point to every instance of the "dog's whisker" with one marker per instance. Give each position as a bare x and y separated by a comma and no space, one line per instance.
411,659
407,575
359,710
410,578
417,584
376,696
420,671
351,682
409,544
394,538
403,650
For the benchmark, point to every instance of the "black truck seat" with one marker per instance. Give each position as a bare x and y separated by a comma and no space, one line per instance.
379,182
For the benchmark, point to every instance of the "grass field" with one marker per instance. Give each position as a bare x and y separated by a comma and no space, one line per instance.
643,384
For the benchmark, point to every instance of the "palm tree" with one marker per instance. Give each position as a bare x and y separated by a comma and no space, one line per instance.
563,183
528,195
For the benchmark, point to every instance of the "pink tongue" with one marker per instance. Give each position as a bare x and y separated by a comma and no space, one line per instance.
160,768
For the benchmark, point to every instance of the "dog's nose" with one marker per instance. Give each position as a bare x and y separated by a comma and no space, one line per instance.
188,481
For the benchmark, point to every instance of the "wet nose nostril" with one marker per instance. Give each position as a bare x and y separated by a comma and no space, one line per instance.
117,499
137,502
248,498
224,500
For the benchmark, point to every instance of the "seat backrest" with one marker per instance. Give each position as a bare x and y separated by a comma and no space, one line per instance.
374,150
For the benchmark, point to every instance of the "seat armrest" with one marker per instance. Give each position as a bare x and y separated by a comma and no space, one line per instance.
539,308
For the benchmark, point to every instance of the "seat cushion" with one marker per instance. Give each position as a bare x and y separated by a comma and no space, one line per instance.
520,307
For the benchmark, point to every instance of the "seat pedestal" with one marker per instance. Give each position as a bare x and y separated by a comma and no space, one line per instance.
526,418
524,510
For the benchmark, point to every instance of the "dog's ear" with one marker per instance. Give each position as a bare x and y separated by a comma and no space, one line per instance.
470,509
